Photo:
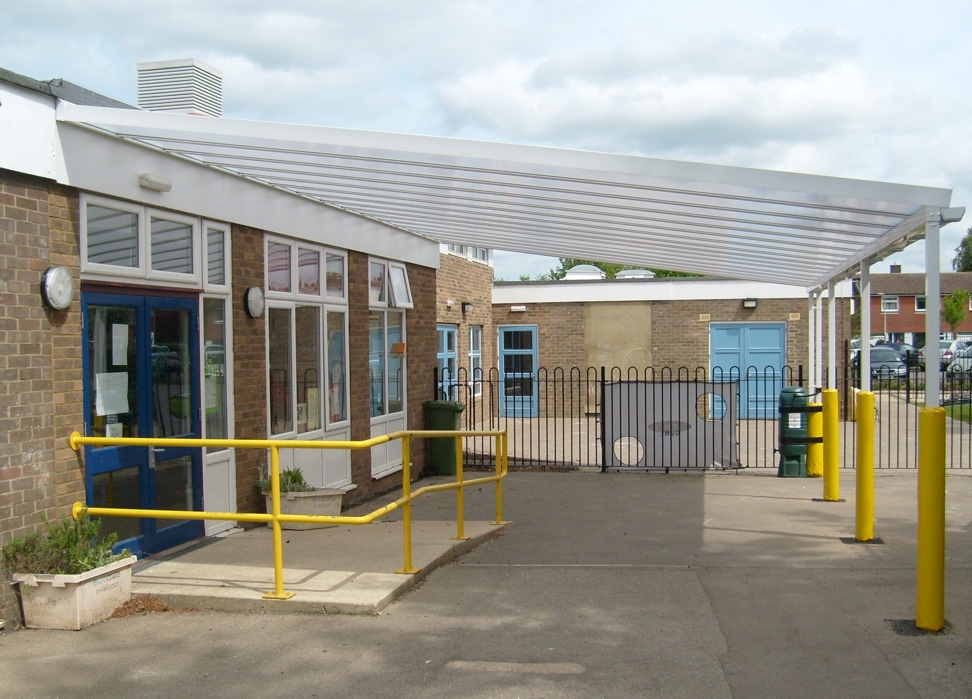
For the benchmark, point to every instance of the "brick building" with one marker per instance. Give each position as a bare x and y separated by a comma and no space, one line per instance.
195,303
898,305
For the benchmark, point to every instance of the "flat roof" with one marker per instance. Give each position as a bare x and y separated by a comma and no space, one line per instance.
731,222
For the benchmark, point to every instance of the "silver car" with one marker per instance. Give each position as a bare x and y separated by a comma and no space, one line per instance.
962,364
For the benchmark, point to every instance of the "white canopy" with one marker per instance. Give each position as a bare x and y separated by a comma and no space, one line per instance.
733,222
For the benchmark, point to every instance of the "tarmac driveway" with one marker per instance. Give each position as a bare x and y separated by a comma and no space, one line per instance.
606,585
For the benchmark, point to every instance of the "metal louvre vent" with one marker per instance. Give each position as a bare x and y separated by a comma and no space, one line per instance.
182,86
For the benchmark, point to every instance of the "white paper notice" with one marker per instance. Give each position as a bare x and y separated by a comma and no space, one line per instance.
119,345
795,421
114,430
111,393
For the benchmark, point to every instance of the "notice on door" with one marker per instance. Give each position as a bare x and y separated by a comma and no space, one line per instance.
111,393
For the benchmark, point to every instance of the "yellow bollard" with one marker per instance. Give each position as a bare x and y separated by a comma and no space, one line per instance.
278,590
831,446
460,495
814,449
930,589
408,568
864,528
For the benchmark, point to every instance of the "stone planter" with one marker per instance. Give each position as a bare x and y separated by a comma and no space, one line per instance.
74,601
320,502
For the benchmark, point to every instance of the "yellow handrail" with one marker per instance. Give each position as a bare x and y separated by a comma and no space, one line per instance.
276,518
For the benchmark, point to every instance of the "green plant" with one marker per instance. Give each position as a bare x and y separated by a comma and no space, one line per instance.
66,547
291,481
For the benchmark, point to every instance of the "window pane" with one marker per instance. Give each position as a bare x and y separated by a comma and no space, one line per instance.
308,272
171,389
377,284
216,256
171,246
396,363
112,236
214,371
517,339
400,295
336,368
335,276
113,363
278,267
120,489
476,339
307,327
281,415
376,362
173,488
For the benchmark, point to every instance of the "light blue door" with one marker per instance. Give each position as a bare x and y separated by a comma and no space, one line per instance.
518,367
756,353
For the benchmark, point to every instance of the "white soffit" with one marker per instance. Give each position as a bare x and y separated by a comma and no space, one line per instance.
731,222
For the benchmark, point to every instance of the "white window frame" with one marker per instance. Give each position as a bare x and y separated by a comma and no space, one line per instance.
887,306
113,270
476,386
208,286
193,223
923,306
389,299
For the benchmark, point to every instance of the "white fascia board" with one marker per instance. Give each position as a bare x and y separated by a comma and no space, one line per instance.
463,152
104,164
28,132
656,290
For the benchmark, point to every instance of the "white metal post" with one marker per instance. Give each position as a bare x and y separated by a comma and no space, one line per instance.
865,355
831,335
933,308
812,340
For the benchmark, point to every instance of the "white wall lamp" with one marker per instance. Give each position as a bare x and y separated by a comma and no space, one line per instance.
466,307
749,303
155,183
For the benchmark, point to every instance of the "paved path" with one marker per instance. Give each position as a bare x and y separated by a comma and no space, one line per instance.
605,585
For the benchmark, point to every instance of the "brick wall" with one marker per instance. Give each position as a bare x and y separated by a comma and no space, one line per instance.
560,331
461,280
422,347
40,361
249,367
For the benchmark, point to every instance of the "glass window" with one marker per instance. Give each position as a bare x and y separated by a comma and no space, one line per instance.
281,415
476,358
396,362
336,368
308,343
458,249
919,304
171,246
376,362
112,361
889,304
377,282
401,295
278,267
335,276
215,407
112,236
216,256
308,272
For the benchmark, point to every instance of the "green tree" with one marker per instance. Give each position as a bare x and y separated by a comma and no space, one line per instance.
954,308
962,262
609,268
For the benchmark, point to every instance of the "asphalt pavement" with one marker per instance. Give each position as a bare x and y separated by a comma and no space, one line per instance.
603,585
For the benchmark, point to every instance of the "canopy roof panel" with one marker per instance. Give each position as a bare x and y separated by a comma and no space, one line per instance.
717,220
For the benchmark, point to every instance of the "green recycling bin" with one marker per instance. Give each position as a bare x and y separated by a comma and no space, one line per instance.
793,432
443,415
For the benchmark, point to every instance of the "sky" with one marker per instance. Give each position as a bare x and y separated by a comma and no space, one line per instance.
871,90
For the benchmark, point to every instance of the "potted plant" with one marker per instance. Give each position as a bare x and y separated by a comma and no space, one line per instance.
67,577
298,497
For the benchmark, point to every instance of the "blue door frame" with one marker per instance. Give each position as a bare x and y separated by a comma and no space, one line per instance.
518,371
757,354
129,476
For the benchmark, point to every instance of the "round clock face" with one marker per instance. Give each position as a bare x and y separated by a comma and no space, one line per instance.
57,287
253,301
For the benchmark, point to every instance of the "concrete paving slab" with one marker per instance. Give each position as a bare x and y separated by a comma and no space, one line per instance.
233,573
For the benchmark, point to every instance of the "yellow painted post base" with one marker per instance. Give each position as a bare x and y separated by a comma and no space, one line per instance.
831,446
459,538
930,587
407,571
815,450
279,595
500,523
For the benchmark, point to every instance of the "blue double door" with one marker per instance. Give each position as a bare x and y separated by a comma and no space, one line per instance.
756,354
141,380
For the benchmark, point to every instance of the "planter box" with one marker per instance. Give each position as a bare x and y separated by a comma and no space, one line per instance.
320,502
75,601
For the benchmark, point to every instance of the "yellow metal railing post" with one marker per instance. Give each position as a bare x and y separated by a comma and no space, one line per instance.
864,520
501,466
831,446
930,590
460,495
407,568
278,589
814,449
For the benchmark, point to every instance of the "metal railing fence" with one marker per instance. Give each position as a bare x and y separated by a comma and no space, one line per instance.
275,517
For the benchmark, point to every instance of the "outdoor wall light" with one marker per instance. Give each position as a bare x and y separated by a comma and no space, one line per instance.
517,309
156,183
749,303
467,306
57,287
253,302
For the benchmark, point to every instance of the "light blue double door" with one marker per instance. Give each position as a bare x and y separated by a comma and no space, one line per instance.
756,354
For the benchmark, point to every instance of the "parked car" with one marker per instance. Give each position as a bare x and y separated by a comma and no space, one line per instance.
908,353
962,364
885,363
947,351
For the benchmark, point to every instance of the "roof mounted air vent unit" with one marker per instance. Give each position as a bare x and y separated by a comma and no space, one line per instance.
584,272
183,86
635,274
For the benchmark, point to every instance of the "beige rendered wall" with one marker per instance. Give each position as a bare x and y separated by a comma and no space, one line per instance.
618,334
